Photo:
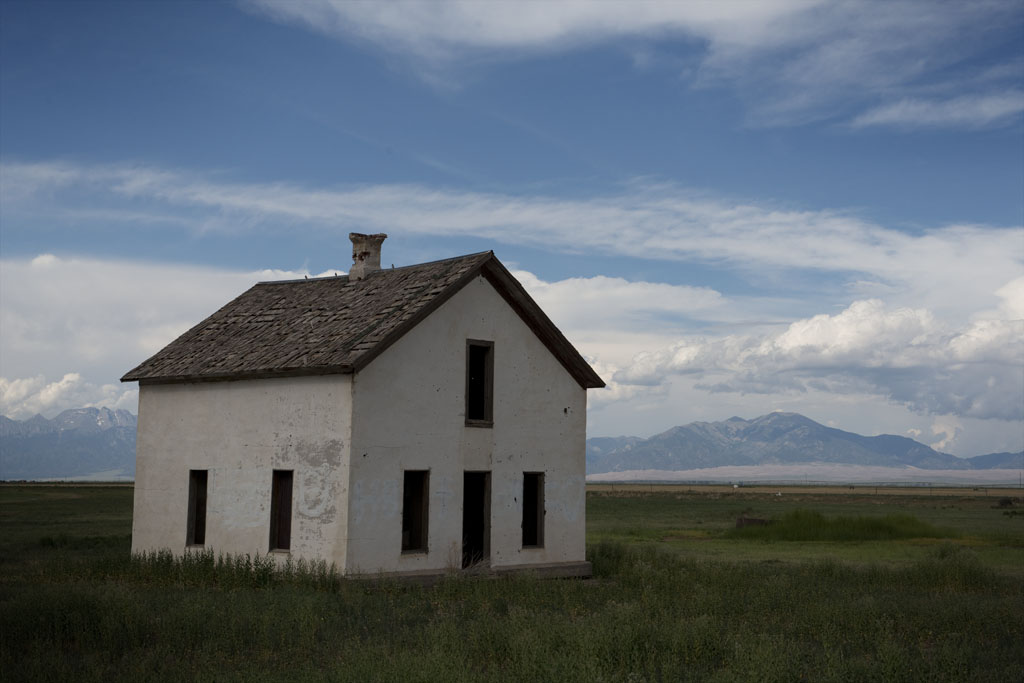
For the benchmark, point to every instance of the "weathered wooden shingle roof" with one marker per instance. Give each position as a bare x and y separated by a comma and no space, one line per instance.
336,325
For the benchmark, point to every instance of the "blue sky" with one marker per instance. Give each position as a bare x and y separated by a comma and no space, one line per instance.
730,208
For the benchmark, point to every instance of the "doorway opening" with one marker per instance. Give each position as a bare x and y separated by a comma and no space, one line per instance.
476,518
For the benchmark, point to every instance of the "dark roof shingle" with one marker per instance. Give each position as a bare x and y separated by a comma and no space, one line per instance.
336,325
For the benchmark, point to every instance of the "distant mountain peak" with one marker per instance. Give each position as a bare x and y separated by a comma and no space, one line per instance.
784,416
71,420
775,438
77,442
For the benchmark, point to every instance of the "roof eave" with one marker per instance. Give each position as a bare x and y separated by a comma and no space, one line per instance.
537,320
233,376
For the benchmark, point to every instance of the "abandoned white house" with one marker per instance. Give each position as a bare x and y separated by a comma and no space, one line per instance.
405,420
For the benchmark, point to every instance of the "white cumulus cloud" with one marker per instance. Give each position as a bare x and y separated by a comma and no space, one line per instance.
73,326
905,355
945,429
23,397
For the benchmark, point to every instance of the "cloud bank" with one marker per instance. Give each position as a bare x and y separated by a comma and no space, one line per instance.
905,355
61,316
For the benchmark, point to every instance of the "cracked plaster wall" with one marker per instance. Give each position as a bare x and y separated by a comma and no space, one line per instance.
240,432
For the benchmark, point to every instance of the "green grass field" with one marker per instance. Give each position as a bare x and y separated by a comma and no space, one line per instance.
694,524
921,588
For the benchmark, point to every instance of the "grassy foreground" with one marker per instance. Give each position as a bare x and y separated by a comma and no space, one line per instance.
73,606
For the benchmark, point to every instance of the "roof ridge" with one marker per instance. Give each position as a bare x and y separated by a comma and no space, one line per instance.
345,276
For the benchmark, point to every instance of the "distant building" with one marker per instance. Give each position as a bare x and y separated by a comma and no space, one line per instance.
407,420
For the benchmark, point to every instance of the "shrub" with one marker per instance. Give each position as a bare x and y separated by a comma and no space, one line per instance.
807,525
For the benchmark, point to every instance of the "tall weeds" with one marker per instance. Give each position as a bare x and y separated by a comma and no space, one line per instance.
87,611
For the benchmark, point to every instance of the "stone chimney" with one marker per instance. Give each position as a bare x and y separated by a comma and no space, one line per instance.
365,254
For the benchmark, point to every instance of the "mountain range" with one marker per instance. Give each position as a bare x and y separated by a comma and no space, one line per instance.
82,442
100,443
773,439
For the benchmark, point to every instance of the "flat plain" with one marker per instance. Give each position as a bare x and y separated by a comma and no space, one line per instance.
920,585
690,521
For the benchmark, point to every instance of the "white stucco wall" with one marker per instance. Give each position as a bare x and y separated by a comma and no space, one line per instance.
409,413
240,432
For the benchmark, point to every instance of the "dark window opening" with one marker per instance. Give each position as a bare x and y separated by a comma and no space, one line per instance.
479,382
281,511
415,494
196,534
533,509
476,518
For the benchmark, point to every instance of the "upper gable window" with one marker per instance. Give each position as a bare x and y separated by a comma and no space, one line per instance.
479,383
